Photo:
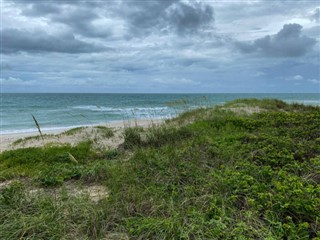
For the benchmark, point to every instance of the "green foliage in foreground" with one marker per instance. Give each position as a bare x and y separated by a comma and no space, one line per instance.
222,176
52,165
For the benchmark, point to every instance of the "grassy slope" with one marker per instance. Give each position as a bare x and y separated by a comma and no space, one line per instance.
209,174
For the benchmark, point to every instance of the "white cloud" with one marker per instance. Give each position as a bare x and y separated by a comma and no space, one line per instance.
259,74
315,81
298,77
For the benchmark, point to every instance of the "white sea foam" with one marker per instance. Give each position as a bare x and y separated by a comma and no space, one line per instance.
120,110
63,111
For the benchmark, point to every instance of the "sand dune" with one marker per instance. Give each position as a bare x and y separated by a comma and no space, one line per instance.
24,140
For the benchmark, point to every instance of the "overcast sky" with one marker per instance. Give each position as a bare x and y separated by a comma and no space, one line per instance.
160,46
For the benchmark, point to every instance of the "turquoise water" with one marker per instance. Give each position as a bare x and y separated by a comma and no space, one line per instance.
56,111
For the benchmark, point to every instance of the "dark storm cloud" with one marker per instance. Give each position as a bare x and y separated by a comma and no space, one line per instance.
288,42
312,32
50,8
77,15
140,17
185,18
160,43
14,40
168,16
145,16
80,21
41,9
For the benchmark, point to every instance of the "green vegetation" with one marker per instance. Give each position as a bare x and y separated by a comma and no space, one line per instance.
208,174
132,137
105,131
26,139
37,125
73,131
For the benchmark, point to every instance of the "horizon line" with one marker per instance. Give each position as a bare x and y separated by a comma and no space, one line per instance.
159,93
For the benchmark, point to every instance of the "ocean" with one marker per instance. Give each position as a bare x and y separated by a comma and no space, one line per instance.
62,110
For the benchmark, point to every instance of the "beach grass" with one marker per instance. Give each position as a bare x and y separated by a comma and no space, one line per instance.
210,173
73,131
32,138
105,131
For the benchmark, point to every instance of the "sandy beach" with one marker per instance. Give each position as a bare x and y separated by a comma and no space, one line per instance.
61,136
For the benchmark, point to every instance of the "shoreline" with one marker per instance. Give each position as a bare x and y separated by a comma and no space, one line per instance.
112,124
7,139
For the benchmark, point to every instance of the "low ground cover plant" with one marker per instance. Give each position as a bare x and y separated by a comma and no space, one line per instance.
210,173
